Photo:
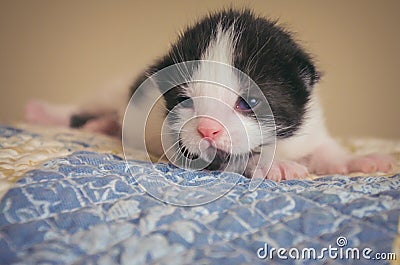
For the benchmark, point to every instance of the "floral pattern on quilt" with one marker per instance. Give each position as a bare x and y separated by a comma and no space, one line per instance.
76,203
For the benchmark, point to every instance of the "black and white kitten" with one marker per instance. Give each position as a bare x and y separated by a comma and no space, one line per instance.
285,74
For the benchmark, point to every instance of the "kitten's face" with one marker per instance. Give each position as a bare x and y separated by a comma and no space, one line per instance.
218,117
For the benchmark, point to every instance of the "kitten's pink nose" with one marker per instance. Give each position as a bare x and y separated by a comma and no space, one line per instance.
209,128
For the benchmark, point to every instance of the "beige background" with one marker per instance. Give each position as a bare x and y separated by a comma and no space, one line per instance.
60,50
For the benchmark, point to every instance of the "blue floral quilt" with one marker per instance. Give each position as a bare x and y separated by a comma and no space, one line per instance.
88,206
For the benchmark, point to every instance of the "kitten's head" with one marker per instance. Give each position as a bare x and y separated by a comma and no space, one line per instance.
217,113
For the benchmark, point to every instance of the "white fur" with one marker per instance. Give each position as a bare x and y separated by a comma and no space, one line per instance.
241,134
310,135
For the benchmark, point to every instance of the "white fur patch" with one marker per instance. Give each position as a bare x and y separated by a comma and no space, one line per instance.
220,50
221,47
241,133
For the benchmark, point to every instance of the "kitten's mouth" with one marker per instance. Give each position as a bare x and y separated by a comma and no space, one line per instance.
186,152
216,158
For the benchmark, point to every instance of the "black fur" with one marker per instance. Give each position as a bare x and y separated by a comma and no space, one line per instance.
264,51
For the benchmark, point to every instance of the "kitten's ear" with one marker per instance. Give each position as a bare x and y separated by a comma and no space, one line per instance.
309,74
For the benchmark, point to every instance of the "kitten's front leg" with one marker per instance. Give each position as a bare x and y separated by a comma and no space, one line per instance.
277,170
281,170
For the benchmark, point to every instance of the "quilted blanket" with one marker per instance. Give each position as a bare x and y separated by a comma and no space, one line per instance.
70,198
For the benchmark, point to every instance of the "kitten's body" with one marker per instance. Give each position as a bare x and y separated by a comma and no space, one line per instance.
286,76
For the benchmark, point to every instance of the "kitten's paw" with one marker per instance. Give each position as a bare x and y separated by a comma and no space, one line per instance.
325,167
36,112
283,170
43,113
371,163
352,164
330,158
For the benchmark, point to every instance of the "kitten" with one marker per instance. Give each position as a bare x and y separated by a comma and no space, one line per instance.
229,125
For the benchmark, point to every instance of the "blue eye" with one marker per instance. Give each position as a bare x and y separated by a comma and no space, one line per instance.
247,105
186,102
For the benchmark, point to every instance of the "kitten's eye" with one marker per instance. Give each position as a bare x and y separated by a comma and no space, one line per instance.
243,105
186,102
